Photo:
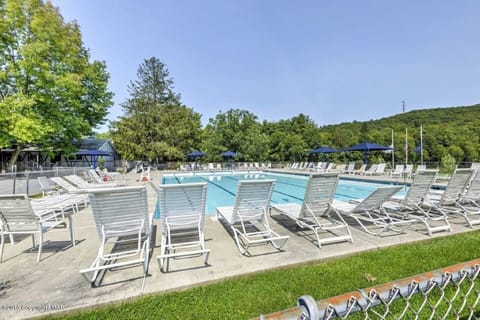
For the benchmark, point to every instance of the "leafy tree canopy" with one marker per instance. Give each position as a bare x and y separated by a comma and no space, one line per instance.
50,93
155,125
236,130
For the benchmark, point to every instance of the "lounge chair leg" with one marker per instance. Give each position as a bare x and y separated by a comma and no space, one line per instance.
70,226
145,271
40,243
94,267
2,246
281,242
207,253
319,243
240,247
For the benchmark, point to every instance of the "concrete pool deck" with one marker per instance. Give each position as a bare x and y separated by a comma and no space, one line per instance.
30,289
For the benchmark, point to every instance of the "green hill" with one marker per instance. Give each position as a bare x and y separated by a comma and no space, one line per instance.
451,131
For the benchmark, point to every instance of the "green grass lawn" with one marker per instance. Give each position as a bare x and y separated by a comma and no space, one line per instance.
251,295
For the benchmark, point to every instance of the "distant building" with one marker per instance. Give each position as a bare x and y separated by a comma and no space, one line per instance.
32,158
95,144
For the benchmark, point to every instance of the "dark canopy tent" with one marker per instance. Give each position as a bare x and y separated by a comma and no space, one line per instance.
93,154
196,154
323,150
365,147
228,154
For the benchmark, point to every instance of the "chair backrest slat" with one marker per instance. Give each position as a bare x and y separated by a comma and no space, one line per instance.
457,185
63,183
377,198
252,198
77,180
182,203
474,186
16,213
113,207
421,184
319,192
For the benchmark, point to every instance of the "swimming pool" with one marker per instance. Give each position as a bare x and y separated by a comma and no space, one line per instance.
221,187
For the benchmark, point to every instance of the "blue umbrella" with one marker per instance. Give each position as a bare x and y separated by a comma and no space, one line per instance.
196,154
94,154
365,147
228,154
323,150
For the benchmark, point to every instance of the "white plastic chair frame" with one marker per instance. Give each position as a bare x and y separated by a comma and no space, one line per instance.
370,214
72,191
121,218
252,201
18,217
414,205
317,212
80,183
451,202
182,214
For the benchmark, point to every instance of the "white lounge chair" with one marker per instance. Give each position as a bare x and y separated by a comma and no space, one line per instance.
408,171
451,202
182,221
421,167
248,216
414,206
80,183
317,213
398,172
360,170
72,190
18,217
330,167
123,227
472,194
94,176
380,169
350,168
48,187
371,170
370,215
340,168
58,199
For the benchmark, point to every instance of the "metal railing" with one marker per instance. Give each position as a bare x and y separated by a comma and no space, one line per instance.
26,182
447,293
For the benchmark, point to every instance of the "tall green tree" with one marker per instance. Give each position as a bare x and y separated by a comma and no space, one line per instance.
155,125
239,131
50,92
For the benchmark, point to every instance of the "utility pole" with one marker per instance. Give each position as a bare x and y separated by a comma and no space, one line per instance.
403,106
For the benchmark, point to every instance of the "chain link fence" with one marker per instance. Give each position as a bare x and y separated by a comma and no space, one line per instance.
448,293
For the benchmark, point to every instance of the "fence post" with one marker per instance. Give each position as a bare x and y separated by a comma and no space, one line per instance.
27,182
309,308
14,173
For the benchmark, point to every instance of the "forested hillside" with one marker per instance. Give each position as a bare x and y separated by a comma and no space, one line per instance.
454,131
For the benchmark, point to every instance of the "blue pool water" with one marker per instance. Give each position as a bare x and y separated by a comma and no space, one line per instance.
221,188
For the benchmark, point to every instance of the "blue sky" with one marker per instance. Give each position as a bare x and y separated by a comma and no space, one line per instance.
336,61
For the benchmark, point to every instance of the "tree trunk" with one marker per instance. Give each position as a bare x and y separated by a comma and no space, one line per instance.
14,158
